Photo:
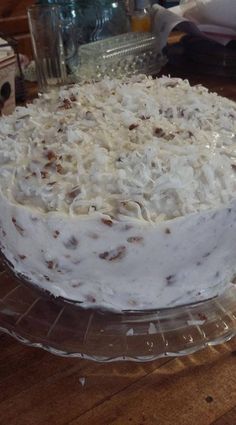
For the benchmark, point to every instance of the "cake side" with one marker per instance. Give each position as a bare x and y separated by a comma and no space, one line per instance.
120,265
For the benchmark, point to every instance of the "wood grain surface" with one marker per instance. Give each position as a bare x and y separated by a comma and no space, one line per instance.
37,388
9,8
14,22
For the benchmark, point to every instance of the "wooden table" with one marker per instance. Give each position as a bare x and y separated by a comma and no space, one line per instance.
37,388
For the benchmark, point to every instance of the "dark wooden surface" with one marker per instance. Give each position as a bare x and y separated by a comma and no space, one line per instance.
11,8
14,22
37,388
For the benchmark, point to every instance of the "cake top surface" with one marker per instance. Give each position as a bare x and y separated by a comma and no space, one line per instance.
149,149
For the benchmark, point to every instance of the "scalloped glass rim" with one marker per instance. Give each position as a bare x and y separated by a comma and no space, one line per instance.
63,328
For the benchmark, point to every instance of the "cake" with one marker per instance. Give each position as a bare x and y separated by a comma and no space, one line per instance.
121,195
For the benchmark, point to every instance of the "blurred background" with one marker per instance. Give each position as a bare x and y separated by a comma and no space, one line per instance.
13,20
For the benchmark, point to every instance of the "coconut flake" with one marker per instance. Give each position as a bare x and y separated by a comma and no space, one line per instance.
152,329
176,162
82,381
130,332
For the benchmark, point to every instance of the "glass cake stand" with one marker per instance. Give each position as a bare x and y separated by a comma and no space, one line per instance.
40,320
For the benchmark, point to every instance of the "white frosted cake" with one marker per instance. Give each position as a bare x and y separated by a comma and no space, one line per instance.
122,195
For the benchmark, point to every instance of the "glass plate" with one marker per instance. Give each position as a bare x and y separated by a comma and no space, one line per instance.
40,320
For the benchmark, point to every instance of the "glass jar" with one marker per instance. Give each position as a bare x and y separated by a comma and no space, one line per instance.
95,19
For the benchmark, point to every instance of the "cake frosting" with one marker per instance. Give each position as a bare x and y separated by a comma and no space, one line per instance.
121,194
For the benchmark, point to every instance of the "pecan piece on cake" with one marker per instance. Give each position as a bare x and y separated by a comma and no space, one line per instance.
135,239
71,243
107,221
18,227
115,254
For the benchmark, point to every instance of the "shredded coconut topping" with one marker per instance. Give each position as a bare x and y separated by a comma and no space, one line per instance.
150,149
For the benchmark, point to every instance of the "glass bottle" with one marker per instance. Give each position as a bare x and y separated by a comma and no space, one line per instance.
141,19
